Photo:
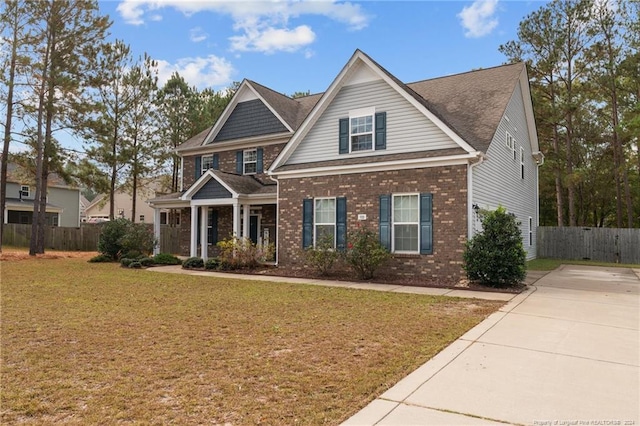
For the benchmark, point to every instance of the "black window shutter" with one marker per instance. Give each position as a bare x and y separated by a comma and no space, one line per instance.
216,162
385,221
343,130
307,223
213,230
426,223
239,165
341,223
198,167
259,155
381,130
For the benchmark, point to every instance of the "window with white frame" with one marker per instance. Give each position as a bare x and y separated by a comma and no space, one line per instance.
325,221
361,127
530,231
141,218
521,163
511,144
406,223
250,161
25,191
207,163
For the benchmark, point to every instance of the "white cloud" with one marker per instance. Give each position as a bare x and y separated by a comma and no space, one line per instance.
155,17
270,40
210,71
262,26
197,35
479,19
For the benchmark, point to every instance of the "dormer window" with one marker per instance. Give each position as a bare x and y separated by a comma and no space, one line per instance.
364,130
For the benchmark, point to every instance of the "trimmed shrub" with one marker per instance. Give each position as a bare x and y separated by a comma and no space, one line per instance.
166,259
496,257
135,265
364,253
110,235
323,256
101,258
212,263
146,261
126,261
193,263
133,254
123,236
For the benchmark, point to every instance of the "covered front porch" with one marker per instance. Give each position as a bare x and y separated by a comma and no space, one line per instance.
219,206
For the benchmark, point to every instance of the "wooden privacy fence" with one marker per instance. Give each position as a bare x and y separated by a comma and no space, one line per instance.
84,238
619,245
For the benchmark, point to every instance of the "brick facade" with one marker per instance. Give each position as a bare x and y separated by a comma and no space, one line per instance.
227,162
447,184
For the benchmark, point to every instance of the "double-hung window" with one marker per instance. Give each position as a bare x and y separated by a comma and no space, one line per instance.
511,144
521,163
25,191
250,161
406,223
207,163
325,221
361,133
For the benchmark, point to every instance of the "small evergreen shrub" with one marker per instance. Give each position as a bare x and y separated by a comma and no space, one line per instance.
126,261
496,257
101,258
364,253
166,259
133,254
122,238
323,256
212,263
146,261
135,265
110,235
193,263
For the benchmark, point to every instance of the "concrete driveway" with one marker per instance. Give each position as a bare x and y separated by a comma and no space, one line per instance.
566,352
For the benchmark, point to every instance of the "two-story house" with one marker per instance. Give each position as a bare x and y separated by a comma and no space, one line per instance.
63,201
413,161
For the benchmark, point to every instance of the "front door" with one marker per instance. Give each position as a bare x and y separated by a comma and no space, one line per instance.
253,229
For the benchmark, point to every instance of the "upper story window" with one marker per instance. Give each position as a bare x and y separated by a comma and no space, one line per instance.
521,163
250,161
511,144
207,163
25,191
361,133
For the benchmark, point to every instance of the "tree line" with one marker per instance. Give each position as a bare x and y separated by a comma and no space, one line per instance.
584,70
63,77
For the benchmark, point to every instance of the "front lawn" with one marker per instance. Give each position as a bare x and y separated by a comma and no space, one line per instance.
99,344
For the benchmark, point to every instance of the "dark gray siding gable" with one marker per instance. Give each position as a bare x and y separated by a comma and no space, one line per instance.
250,118
211,189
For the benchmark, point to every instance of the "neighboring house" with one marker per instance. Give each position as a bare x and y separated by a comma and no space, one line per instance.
415,162
63,201
84,203
98,209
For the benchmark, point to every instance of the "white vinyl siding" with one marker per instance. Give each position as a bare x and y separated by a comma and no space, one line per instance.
499,181
408,130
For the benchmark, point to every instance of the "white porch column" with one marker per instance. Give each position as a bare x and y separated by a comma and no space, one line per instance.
193,252
156,229
6,215
204,243
245,224
236,218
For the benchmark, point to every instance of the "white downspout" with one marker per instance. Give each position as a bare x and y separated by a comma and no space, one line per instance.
470,217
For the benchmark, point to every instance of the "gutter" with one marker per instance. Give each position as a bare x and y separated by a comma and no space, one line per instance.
480,157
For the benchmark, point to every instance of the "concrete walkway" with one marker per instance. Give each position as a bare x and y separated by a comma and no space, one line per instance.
566,352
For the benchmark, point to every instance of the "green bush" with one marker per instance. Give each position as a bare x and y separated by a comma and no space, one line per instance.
212,263
126,261
193,262
133,254
146,261
122,238
323,256
364,253
495,257
101,258
166,259
238,253
135,265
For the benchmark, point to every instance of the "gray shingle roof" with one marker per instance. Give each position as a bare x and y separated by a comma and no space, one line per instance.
197,140
244,184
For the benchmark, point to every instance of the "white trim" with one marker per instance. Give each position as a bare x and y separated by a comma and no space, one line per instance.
528,110
202,180
245,162
363,113
449,160
193,249
522,170
265,140
204,237
334,223
332,91
470,202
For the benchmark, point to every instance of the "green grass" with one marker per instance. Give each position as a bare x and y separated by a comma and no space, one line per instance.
99,344
551,264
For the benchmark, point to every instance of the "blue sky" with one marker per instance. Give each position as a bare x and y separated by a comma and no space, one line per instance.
294,46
